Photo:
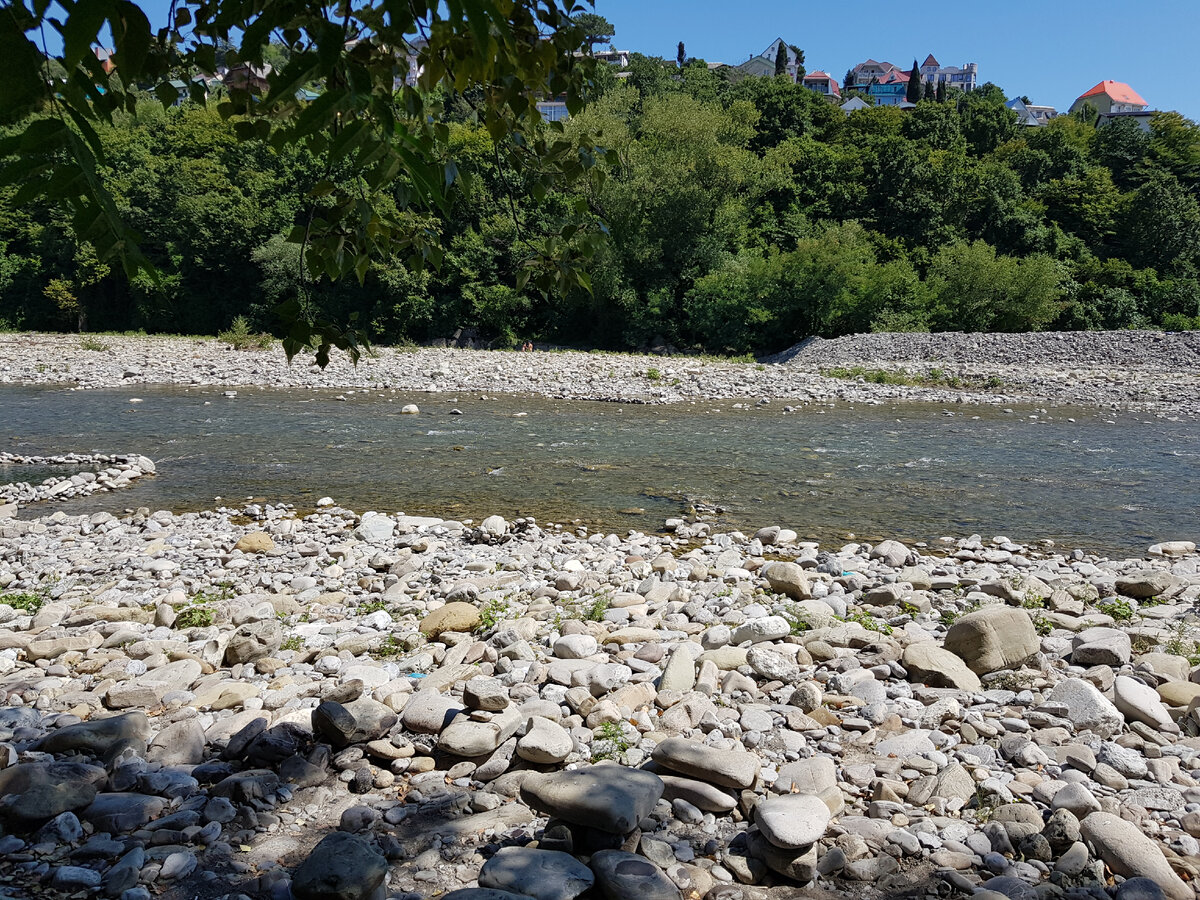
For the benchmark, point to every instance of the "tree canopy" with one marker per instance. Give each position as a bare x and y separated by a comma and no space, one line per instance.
724,215
498,57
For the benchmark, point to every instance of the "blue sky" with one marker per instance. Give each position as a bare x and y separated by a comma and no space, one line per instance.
1052,50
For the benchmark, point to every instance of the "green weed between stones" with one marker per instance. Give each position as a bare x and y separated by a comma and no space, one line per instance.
28,602
1120,610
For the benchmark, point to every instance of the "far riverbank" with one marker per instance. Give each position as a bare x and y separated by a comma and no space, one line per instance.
1148,371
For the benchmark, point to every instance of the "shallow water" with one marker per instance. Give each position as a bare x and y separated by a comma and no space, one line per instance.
1109,484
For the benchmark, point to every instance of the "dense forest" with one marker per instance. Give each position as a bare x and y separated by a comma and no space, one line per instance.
737,217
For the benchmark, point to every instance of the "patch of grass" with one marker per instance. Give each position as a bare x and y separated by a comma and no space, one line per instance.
598,607
195,616
869,622
652,374
492,613
240,337
610,742
796,618
214,593
910,609
931,378
90,343
1033,601
294,643
28,602
1042,625
390,648
1120,610
1182,643
374,606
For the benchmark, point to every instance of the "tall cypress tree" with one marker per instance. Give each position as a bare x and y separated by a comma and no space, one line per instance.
781,59
929,92
941,92
680,55
913,94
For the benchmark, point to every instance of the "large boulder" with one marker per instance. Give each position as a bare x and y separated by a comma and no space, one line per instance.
1129,852
255,542
342,867
455,616
606,797
788,578
1087,709
935,666
356,722
792,821
993,638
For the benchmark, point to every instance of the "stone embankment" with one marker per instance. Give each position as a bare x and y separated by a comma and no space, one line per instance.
113,472
1137,370
241,703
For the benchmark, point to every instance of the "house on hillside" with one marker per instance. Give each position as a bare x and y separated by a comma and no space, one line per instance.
934,73
824,84
866,72
891,89
247,77
1025,114
853,104
763,65
1111,97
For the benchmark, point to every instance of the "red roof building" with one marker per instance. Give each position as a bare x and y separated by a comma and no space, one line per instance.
1111,96
823,83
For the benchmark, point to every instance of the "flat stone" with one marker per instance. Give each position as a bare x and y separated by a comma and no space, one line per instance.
702,795
121,812
428,712
543,874
469,738
621,876
97,736
1147,583
342,866
728,768
610,798
792,821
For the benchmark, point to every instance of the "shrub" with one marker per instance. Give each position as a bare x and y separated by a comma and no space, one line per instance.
25,601
240,337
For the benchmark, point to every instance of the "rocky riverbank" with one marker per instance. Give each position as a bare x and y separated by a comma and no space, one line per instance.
243,703
1132,370
102,472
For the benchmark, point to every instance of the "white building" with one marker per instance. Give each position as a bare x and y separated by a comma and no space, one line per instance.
964,78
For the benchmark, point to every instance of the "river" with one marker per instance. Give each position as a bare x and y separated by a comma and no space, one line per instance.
1109,483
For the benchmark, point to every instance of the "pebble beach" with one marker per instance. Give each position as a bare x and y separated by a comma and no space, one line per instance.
259,702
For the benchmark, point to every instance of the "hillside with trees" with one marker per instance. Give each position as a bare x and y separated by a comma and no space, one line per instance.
736,216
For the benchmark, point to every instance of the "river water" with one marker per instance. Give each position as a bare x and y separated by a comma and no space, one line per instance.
1108,483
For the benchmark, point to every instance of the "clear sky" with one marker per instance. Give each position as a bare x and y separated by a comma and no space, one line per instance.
1051,50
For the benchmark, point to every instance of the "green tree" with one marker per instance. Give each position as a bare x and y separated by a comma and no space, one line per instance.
396,144
1120,146
596,29
940,96
1160,229
781,60
912,93
680,55
974,289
